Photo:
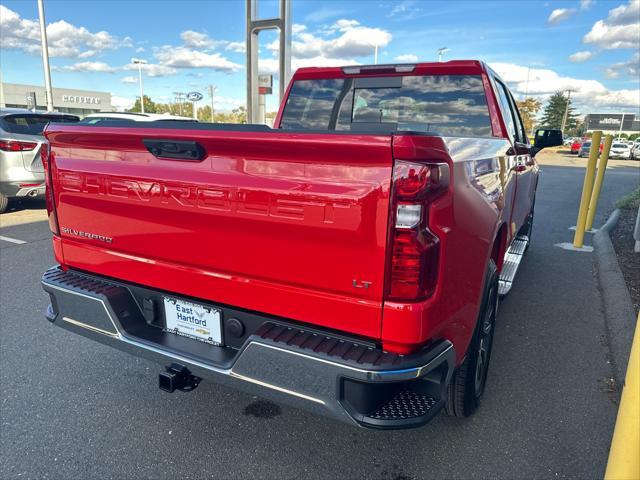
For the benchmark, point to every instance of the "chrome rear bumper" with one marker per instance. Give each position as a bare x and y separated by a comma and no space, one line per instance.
377,390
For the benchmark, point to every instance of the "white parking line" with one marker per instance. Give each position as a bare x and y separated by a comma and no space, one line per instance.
12,240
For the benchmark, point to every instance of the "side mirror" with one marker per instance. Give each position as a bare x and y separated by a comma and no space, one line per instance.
547,138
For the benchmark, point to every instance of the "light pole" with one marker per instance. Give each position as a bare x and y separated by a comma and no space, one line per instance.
441,52
621,122
45,57
375,54
140,62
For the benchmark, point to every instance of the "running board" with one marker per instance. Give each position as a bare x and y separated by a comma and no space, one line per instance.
512,260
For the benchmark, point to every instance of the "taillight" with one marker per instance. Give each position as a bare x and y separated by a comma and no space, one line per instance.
48,176
16,146
414,249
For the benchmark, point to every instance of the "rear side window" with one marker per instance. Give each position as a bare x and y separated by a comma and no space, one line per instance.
32,124
447,105
509,120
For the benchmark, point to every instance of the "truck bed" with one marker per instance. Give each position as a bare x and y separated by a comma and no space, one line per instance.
286,223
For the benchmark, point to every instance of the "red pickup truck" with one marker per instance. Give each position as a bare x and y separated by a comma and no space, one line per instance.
348,261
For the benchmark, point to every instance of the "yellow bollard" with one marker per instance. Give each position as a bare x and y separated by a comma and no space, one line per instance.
624,456
587,188
602,167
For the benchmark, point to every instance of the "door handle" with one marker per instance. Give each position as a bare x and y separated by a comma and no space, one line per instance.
183,150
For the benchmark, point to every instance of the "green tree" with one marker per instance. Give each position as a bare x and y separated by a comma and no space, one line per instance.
554,112
204,114
528,109
237,115
149,105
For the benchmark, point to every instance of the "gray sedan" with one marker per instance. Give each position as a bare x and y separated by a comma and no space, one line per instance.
21,171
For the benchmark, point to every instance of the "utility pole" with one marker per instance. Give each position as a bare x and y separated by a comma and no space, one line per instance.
566,110
140,62
45,57
441,52
375,55
178,100
212,91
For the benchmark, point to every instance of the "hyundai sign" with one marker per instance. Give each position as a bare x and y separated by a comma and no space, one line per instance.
194,96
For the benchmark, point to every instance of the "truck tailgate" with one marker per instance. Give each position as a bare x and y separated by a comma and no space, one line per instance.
289,224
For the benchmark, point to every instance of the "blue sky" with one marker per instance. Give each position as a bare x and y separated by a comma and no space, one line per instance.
589,46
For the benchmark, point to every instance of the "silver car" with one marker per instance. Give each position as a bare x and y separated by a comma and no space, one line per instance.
21,171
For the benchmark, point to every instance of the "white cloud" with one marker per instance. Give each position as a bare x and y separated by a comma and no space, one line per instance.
586,4
152,69
342,43
559,14
344,40
122,103
298,28
65,39
239,47
581,56
193,39
613,36
630,67
184,57
625,14
129,79
90,67
139,49
621,29
407,57
587,95
404,9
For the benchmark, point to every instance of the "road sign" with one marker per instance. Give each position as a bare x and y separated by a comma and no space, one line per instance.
265,84
194,96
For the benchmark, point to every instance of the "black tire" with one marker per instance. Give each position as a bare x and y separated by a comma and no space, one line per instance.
4,203
468,382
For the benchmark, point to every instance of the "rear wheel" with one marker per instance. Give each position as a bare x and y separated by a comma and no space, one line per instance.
468,382
4,203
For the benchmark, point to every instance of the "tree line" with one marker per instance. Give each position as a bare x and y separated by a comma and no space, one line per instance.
552,114
185,109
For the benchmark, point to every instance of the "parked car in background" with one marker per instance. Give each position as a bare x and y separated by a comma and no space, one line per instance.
635,150
585,148
133,117
620,150
575,145
21,171
568,141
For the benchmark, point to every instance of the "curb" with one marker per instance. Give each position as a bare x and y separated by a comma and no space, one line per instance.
618,309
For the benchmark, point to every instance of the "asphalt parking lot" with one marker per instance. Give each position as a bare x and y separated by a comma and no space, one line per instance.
74,409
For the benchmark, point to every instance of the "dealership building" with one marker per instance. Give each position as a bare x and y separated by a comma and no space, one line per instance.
610,123
78,102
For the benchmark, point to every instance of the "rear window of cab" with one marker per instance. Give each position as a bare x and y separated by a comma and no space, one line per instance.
446,105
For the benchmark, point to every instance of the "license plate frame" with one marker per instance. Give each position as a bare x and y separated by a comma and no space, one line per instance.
193,320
